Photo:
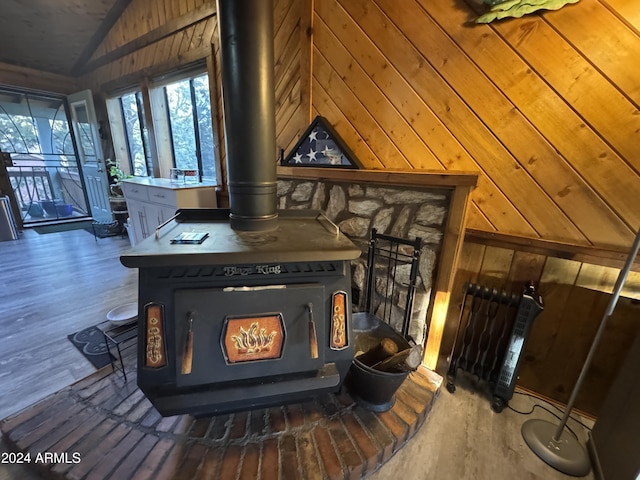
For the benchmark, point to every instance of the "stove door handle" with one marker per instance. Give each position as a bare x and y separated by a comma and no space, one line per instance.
313,339
187,354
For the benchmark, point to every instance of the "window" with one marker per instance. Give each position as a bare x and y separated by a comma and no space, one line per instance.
136,133
189,112
129,133
32,124
34,129
180,133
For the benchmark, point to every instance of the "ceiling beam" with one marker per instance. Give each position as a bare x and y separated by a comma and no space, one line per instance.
109,20
163,31
192,57
24,77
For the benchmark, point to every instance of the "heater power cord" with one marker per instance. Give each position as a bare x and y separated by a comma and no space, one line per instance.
537,405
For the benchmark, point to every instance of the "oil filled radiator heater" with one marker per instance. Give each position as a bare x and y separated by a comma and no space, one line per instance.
492,331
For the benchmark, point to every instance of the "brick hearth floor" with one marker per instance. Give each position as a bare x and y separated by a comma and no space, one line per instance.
103,428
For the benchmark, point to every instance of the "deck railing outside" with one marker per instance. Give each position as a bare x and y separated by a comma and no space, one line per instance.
47,193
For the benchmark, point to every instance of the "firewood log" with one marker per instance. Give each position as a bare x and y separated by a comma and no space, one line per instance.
403,361
386,348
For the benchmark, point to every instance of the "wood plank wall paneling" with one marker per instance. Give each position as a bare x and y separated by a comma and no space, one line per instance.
540,106
575,295
626,10
288,73
598,61
171,52
545,107
425,81
292,52
141,17
416,86
549,124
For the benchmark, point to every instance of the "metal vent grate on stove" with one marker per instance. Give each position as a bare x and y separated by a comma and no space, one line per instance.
250,271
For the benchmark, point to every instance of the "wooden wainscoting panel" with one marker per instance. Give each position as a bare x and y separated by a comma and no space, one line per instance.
584,311
469,267
495,267
555,286
575,296
621,330
603,279
525,267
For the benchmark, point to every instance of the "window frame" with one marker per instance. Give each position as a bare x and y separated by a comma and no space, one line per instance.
144,136
158,124
162,121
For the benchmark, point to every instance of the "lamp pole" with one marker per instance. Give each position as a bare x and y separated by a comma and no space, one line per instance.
553,445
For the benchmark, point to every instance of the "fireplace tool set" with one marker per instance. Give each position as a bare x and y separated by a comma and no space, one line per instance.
385,352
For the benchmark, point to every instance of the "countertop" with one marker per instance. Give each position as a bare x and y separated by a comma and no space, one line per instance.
166,183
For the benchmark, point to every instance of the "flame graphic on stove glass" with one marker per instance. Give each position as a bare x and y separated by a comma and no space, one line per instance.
253,341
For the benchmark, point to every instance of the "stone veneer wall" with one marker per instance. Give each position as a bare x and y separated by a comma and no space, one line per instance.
405,212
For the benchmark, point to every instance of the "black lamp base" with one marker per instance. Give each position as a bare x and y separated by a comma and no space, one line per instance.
566,455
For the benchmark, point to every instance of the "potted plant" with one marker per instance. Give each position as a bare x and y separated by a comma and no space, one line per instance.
116,175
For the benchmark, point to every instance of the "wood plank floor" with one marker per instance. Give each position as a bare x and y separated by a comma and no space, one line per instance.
51,286
55,284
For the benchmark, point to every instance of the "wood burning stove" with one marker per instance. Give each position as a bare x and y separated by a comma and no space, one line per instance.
249,306
244,319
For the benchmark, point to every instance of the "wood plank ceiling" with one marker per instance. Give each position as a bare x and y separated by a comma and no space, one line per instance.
56,36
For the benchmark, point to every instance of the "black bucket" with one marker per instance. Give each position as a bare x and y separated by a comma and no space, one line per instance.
373,389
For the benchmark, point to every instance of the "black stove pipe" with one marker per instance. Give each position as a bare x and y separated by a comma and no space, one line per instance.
246,50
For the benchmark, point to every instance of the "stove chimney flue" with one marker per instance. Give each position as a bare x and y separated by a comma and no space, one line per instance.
246,50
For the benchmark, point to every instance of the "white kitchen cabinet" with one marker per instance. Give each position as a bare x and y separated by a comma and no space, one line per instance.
152,201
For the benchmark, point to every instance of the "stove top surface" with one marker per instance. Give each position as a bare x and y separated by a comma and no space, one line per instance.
301,235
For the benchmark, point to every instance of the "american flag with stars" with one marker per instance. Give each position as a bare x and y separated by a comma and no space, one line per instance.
318,147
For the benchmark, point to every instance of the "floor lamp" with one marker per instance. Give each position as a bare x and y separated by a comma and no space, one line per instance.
551,443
